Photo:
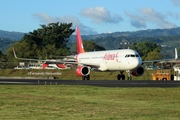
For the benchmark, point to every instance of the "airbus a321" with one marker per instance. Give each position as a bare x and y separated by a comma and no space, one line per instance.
110,60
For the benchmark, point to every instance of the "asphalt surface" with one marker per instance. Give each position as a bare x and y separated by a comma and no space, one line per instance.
103,83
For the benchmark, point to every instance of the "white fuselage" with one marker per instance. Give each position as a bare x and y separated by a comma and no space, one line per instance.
125,59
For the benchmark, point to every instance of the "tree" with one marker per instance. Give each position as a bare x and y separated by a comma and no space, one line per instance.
47,40
144,49
1,54
153,55
89,46
3,57
3,60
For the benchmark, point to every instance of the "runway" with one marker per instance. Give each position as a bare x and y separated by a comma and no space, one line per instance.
103,83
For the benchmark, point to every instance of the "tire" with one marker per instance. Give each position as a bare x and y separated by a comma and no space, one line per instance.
88,77
164,79
118,77
83,77
123,77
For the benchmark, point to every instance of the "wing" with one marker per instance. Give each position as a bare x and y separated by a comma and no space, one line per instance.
163,60
64,57
25,58
64,61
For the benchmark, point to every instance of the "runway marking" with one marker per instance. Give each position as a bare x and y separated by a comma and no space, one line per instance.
7,82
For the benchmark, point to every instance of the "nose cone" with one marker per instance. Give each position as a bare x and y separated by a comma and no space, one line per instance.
136,62
139,61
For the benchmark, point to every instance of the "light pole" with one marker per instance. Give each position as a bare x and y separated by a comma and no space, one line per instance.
124,44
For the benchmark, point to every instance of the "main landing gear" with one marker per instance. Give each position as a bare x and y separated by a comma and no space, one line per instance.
121,76
87,77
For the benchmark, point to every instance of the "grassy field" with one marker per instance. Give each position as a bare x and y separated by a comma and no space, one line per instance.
63,102
69,74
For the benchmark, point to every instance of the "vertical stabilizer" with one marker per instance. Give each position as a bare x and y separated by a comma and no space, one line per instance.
80,48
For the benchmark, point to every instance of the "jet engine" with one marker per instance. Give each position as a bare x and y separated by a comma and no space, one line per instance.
83,71
138,71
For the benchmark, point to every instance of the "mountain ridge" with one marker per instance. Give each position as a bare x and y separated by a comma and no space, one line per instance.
10,35
13,35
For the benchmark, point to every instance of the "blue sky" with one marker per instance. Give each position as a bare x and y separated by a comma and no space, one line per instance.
92,16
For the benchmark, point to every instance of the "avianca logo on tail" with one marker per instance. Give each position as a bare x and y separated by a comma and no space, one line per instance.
110,56
80,47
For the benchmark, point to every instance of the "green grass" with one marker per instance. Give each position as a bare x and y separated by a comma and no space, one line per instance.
63,102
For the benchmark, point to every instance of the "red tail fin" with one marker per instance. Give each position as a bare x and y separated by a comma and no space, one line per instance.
80,47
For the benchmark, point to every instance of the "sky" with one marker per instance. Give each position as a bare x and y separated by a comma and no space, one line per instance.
91,16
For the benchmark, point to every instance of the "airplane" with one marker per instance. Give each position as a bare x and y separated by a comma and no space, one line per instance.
109,60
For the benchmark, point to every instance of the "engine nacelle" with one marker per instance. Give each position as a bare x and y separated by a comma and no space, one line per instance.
82,71
62,65
138,71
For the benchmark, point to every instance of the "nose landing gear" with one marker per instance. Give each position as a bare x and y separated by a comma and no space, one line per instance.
129,75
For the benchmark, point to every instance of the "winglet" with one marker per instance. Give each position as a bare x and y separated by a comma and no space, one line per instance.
176,54
80,48
14,53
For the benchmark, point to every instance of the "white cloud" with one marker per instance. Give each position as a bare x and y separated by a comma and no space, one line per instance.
148,15
100,14
43,18
136,20
176,2
46,19
156,18
174,15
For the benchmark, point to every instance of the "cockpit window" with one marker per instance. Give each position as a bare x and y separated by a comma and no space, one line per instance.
131,55
137,55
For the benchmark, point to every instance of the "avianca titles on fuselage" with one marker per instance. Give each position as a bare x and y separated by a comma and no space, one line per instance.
111,60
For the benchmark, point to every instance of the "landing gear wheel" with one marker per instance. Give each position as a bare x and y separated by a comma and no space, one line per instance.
121,76
118,76
86,77
164,79
83,77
